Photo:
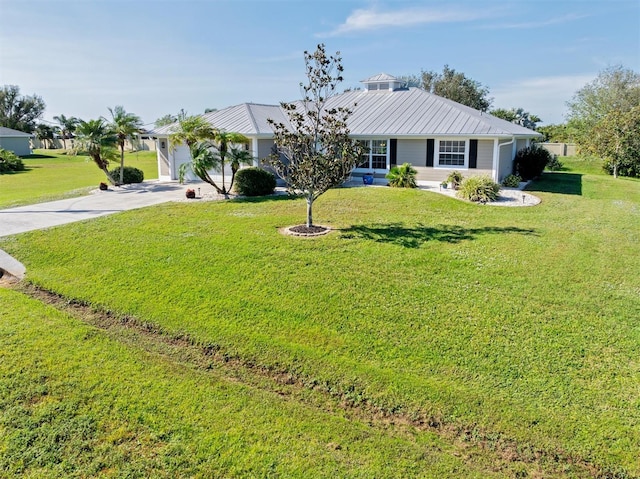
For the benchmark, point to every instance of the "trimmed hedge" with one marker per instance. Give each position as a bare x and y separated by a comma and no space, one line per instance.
254,181
131,175
530,162
10,162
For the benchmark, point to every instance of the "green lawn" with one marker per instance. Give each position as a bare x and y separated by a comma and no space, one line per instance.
511,326
52,175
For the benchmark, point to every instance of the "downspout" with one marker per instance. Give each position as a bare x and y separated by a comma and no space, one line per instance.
500,145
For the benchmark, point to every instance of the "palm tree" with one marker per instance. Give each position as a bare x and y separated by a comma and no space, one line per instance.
67,126
97,139
45,134
190,130
223,140
124,125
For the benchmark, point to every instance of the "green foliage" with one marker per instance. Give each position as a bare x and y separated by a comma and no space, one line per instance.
455,178
67,127
97,139
10,162
530,162
46,134
517,116
19,112
556,133
403,176
129,174
554,164
479,189
453,85
255,181
125,126
314,152
511,181
616,139
599,106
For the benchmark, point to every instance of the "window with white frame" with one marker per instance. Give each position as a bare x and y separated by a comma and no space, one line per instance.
377,155
452,153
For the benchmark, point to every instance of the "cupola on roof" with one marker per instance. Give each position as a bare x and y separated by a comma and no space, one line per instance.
382,82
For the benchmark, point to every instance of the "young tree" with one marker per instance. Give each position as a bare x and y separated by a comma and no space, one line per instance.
316,153
165,120
125,126
454,86
19,112
98,140
615,88
617,141
67,127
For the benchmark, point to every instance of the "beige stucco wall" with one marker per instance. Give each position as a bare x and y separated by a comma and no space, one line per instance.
163,158
485,155
264,148
560,149
440,174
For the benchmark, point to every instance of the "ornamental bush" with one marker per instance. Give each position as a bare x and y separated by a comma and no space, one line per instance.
530,162
554,164
254,181
479,188
511,181
403,176
131,175
10,162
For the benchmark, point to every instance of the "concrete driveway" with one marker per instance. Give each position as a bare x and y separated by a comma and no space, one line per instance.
99,203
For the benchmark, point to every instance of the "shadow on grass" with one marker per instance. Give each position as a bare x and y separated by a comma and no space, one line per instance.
415,236
36,156
558,182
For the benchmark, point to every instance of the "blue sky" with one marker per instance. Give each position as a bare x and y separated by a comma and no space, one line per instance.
157,56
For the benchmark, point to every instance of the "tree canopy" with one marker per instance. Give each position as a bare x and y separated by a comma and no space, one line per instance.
603,116
453,85
124,126
18,111
517,116
67,126
316,153
98,140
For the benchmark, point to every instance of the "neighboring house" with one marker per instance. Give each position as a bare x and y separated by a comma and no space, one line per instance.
16,141
399,124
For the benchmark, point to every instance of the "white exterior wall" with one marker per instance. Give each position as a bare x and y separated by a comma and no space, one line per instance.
19,145
485,156
264,149
520,144
505,160
164,167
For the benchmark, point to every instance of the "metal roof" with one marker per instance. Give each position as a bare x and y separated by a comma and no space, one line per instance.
408,112
10,132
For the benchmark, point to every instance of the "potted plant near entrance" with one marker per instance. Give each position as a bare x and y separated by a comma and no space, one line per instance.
455,178
367,178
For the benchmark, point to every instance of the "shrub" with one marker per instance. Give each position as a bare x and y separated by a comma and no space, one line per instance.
511,181
131,175
10,162
479,188
554,164
403,176
626,167
455,178
530,162
254,181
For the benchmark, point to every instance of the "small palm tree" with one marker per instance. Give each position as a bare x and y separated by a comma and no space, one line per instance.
402,176
190,130
67,126
125,126
223,141
98,140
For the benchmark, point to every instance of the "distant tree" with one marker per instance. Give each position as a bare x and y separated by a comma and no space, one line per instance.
315,153
209,110
453,85
556,133
617,141
615,88
165,120
19,112
125,126
67,127
97,139
517,116
46,134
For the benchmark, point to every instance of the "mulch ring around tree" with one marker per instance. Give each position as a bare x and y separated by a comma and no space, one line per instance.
306,231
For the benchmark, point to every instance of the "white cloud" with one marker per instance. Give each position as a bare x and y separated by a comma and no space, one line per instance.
542,96
372,18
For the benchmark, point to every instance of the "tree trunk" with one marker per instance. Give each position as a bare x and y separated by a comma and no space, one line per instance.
109,177
310,210
615,169
122,162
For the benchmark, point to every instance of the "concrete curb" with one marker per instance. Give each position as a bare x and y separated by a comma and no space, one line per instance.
11,270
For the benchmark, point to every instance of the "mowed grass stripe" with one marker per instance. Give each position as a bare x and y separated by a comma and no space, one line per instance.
76,402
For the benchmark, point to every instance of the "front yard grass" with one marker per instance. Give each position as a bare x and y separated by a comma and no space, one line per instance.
516,325
52,175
